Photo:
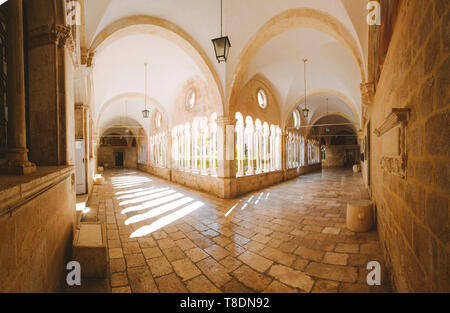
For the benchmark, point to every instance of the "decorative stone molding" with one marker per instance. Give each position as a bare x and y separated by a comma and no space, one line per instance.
51,34
394,158
393,119
367,97
87,58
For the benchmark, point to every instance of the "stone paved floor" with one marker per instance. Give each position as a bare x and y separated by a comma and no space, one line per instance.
291,237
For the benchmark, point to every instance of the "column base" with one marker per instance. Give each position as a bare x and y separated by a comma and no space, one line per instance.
20,168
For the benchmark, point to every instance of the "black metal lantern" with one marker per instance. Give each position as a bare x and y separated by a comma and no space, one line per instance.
146,113
222,48
305,112
222,44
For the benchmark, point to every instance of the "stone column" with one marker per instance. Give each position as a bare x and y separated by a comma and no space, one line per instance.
17,152
226,145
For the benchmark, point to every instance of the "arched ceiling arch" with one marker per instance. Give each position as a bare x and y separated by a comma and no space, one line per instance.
243,22
330,47
316,101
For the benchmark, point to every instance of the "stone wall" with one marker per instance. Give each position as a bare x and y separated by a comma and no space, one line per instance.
37,213
227,188
413,211
335,155
107,155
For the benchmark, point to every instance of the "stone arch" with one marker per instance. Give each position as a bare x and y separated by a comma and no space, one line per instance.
131,95
156,26
352,126
246,103
291,19
321,92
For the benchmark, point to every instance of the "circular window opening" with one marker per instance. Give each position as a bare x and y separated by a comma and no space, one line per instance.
191,99
158,120
296,117
262,99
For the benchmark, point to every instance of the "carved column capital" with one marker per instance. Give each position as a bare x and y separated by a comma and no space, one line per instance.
87,58
58,34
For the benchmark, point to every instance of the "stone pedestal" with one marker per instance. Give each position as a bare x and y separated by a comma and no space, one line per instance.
89,249
359,215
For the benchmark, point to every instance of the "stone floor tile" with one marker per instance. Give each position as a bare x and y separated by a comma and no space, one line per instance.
277,256
230,263
185,244
292,278
117,265
125,289
115,253
201,284
135,260
325,286
215,272
159,266
152,252
251,279
119,279
166,243
310,254
255,261
233,286
170,284
332,272
217,252
185,269
174,254
335,258
196,254
347,248
141,280
131,248
277,287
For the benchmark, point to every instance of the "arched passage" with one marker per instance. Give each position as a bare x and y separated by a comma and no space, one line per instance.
159,27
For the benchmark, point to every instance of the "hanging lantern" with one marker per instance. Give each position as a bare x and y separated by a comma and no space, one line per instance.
146,113
222,44
222,48
305,112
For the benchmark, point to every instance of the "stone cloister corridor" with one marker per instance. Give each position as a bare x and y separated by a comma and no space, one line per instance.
287,238
224,146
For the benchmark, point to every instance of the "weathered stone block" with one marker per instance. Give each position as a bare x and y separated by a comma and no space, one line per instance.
89,249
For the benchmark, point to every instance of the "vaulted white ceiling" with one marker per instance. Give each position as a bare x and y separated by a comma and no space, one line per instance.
119,67
329,67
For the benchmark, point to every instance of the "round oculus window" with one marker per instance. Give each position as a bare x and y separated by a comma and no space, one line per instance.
191,99
262,98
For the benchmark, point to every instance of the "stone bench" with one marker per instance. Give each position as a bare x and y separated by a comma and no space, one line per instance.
89,249
359,215
99,180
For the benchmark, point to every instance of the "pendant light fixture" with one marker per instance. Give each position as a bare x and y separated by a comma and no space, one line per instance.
145,112
222,44
305,110
327,129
